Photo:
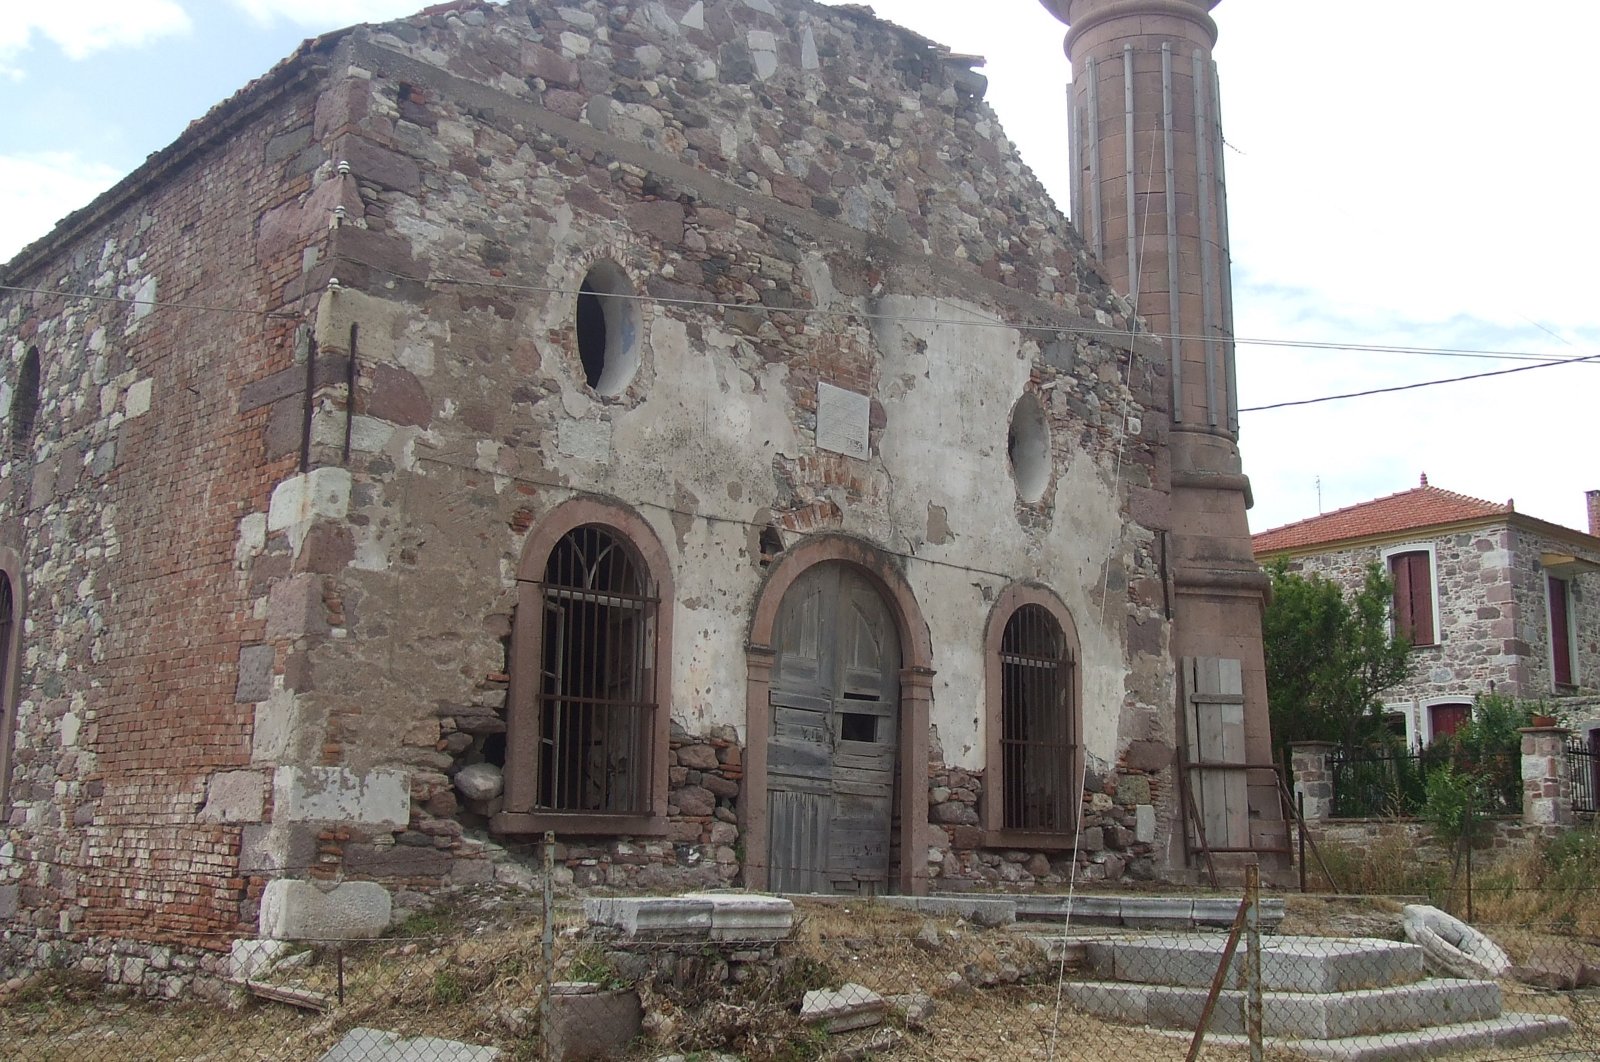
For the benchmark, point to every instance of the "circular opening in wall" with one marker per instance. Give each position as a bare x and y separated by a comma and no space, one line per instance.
1028,448
608,329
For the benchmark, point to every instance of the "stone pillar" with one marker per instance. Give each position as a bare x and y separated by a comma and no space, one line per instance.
1312,764
1546,781
1149,198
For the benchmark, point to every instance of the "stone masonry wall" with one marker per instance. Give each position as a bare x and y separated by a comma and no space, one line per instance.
1116,841
1478,641
238,669
131,777
1533,610
470,419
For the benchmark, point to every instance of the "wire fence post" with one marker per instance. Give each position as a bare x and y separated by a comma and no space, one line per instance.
1252,964
1300,832
547,944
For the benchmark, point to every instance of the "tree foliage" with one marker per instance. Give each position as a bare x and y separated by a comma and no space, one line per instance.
1329,657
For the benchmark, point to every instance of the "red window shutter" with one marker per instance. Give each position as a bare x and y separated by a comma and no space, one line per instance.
1422,600
1446,719
1413,595
1560,632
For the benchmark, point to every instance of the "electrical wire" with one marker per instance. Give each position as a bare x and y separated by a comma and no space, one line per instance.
1343,346
154,304
1419,384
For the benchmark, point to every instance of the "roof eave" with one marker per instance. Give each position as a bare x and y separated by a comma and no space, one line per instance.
217,123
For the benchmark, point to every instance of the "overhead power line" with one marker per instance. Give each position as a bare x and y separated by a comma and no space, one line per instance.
1415,386
1342,346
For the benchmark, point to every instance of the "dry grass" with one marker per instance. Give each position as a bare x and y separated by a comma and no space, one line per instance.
476,976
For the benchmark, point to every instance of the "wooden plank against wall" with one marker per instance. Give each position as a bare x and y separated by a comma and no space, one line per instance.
1214,721
1231,749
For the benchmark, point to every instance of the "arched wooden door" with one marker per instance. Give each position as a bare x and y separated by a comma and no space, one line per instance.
832,747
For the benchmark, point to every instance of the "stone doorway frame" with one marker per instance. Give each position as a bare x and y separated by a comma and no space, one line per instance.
916,701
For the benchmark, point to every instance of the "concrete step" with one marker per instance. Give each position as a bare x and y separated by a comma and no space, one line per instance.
1510,1030
1288,964
1295,1015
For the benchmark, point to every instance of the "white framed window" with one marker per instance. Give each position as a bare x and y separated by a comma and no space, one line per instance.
1401,718
1443,716
1415,613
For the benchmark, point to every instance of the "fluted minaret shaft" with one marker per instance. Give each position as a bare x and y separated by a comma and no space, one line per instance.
1148,190
1148,195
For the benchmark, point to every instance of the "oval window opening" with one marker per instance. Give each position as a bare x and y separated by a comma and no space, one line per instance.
607,324
1028,448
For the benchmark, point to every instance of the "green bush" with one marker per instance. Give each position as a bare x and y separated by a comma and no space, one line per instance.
1454,806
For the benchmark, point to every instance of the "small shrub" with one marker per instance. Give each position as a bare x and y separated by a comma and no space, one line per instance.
421,924
594,966
448,989
1454,807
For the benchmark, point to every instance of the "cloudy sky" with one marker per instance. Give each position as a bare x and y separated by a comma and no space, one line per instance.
1413,174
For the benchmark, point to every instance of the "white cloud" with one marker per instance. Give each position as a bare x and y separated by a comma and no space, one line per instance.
327,14
84,27
40,189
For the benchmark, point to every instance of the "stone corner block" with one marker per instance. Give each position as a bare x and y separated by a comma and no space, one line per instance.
300,500
294,607
235,796
305,910
255,674
380,797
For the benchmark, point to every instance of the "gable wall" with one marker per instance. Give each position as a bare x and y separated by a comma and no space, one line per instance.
742,186
129,788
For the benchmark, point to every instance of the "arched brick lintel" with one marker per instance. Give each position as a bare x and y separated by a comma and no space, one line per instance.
1012,598
916,701
522,737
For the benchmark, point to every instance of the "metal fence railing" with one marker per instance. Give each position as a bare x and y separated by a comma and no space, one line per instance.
1583,766
1374,783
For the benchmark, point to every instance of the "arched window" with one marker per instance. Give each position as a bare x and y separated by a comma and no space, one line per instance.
1032,774
25,405
587,726
594,707
10,651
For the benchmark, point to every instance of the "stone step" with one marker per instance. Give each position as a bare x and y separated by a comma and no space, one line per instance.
1144,912
1130,912
1295,1015
1507,1031
1288,964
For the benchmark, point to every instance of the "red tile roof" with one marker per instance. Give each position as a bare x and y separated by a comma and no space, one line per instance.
1418,507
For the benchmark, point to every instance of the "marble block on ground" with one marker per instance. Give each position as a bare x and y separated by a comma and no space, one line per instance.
652,916
747,916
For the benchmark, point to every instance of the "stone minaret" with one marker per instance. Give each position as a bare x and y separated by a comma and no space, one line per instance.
1148,196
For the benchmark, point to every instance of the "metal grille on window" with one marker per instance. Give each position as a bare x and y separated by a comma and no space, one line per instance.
1038,735
596,708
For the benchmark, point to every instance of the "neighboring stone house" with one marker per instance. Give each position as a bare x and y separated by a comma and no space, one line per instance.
1493,600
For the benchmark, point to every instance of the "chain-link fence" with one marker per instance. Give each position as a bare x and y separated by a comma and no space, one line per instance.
755,977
